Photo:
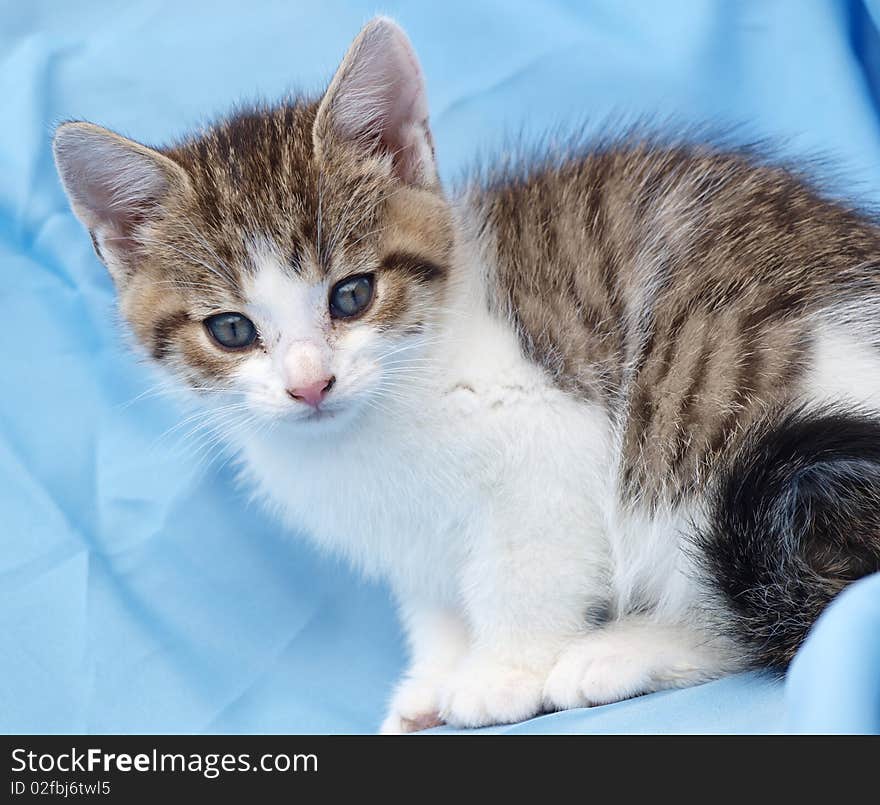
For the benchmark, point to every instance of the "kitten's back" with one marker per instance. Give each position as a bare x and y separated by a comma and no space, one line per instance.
681,286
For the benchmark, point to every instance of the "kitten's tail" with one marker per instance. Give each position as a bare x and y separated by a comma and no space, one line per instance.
794,520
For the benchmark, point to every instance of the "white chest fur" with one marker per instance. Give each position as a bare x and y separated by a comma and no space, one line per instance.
409,495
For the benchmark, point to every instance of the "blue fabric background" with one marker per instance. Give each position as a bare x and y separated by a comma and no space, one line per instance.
138,590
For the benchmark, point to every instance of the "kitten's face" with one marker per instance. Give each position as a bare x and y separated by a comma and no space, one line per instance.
335,272
294,259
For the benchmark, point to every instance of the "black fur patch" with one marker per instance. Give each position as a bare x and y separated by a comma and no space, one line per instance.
794,520
414,266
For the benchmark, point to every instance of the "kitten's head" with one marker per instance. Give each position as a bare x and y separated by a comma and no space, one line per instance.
296,256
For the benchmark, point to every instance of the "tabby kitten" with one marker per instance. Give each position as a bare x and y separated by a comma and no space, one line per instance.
607,423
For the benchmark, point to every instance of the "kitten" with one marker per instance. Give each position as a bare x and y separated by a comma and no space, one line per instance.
607,423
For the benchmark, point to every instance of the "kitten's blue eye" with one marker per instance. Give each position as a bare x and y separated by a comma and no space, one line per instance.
231,330
351,296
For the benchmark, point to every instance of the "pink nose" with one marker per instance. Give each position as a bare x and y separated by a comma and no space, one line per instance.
312,393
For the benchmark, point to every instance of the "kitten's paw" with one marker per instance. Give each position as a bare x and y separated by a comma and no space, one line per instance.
592,672
612,665
483,692
414,707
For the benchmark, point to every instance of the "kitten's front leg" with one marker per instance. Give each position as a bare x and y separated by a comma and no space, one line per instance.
438,638
528,592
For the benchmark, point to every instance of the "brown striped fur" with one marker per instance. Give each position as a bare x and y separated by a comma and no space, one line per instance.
674,283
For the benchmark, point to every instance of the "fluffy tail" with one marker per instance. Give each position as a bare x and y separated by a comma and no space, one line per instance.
794,520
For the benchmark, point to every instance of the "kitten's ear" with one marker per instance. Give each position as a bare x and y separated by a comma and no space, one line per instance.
377,101
115,186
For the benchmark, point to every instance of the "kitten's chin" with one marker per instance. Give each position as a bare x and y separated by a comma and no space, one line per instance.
321,421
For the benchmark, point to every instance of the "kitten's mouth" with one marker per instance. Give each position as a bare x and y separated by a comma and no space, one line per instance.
325,420
318,415
321,415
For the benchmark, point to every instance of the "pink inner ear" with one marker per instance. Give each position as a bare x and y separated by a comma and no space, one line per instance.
114,184
381,98
117,191
406,133
119,217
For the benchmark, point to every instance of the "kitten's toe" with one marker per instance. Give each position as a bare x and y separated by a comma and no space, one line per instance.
562,691
397,724
614,677
414,707
483,693
595,670
423,721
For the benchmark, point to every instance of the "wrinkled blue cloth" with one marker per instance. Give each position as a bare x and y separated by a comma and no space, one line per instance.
139,591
